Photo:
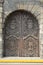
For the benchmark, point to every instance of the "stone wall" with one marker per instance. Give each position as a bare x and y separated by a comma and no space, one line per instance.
1,12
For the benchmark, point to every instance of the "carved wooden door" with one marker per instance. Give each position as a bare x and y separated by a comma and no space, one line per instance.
21,32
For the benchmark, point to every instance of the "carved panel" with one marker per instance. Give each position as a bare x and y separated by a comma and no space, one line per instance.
21,35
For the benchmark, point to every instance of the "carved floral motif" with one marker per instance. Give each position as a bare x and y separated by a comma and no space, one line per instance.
21,35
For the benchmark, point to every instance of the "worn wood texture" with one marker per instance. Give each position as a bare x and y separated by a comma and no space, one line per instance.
21,35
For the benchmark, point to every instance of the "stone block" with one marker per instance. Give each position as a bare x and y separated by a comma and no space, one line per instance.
1,51
0,30
41,10
35,8
7,13
0,20
40,21
0,14
0,9
0,25
30,7
1,45
41,15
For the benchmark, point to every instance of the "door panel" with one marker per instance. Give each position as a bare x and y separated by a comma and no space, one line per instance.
21,35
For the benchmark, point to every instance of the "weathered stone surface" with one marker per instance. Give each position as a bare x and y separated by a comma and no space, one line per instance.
1,45
0,26
0,30
1,1
0,9
0,20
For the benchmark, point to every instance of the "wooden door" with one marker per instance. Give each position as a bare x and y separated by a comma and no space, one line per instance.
21,35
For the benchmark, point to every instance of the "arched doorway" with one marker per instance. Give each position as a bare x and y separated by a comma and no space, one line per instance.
21,35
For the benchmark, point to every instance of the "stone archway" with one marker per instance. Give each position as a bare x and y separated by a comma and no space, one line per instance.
21,35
